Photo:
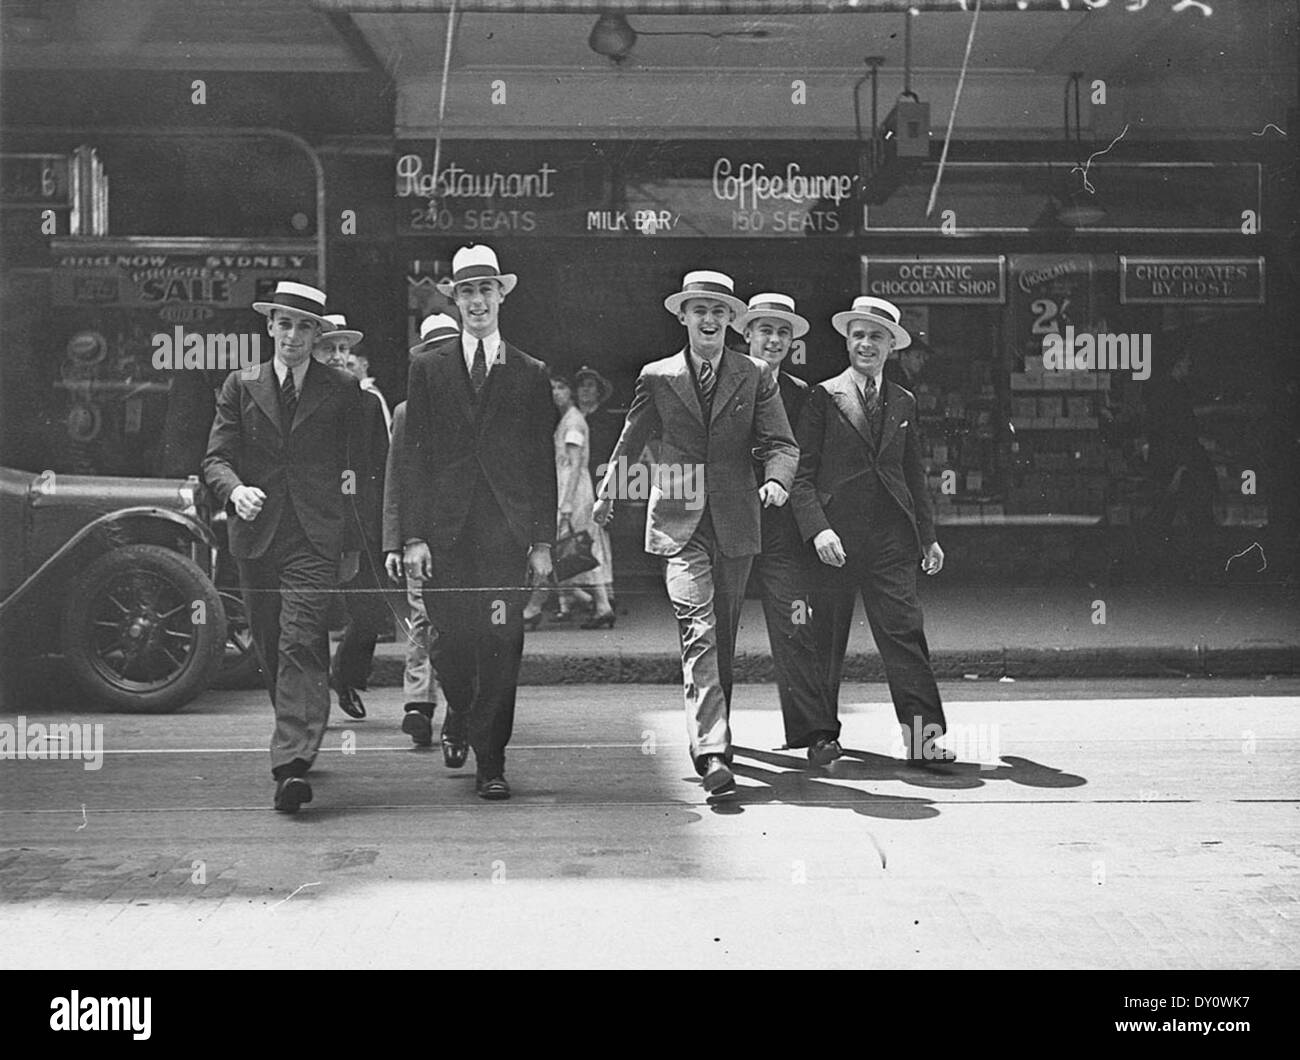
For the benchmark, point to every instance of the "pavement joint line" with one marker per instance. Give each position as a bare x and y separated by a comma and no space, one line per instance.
923,794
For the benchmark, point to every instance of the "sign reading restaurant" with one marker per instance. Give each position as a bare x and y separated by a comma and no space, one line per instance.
1222,281
616,188
936,280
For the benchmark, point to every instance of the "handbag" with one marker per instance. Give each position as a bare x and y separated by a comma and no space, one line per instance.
572,555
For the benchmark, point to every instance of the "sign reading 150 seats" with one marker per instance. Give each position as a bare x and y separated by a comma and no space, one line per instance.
618,189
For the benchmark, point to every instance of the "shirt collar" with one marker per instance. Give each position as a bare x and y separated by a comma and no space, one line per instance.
299,372
697,360
491,348
861,383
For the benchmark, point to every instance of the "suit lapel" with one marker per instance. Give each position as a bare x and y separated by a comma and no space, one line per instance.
844,391
315,388
683,384
893,413
729,379
452,378
265,392
498,381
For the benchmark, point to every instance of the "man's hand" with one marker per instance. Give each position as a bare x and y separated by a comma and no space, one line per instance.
247,501
772,494
393,565
602,511
932,563
349,564
539,563
830,550
418,561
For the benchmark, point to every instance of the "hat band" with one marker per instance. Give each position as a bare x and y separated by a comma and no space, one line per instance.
708,287
474,272
770,307
875,314
439,334
293,301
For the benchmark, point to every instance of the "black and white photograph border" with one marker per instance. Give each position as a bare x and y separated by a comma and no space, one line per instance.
816,485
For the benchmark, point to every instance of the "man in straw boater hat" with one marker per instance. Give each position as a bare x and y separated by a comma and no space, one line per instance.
367,607
477,512
860,497
709,407
784,567
284,447
419,683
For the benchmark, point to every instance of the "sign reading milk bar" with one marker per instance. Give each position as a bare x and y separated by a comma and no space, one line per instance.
634,190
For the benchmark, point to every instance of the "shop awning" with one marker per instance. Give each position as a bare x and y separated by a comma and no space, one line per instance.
689,7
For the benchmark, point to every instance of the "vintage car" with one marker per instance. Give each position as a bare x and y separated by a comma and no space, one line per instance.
117,576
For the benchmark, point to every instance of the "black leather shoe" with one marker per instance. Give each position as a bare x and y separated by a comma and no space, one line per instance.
494,789
823,751
454,752
350,702
290,793
418,727
718,778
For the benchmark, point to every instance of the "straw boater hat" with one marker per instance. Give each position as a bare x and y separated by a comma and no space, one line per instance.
298,297
703,283
605,386
477,263
878,311
434,329
780,306
340,330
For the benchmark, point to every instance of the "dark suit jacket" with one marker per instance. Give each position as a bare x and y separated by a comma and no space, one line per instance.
392,536
837,454
374,437
506,440
305,465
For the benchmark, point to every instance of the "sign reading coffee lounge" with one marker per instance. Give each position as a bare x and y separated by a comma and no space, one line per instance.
1228,281
606,188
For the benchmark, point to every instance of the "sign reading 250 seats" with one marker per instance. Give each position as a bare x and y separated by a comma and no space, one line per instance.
784,189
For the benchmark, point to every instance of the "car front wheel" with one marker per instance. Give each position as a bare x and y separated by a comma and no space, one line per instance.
143,629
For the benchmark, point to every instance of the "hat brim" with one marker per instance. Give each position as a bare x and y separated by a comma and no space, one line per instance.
797,323
507,280
674,302
432,343
840,322
267,308
344,333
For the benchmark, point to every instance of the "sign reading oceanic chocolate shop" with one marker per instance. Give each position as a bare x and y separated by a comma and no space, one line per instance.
936,281
1221,281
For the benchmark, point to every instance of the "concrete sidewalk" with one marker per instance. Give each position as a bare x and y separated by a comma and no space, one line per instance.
990,632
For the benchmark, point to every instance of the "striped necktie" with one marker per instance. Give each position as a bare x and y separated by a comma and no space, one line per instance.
871,406
288,397
708,383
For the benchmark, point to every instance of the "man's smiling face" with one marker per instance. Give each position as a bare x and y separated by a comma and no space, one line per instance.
769,340
479,302
706,321
294,335
869,345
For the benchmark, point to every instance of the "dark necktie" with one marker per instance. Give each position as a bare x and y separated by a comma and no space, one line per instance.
871,405
288,397
478,373
708,383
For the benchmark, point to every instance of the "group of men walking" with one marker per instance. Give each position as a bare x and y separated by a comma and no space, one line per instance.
819,490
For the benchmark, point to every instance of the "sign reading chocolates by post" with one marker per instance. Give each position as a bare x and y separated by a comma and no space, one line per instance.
1217,281
631,190
936,280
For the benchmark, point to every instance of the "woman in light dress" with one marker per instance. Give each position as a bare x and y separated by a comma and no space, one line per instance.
576,498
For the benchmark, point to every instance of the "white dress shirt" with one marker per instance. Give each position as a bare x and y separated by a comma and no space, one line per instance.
491,349
299,373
